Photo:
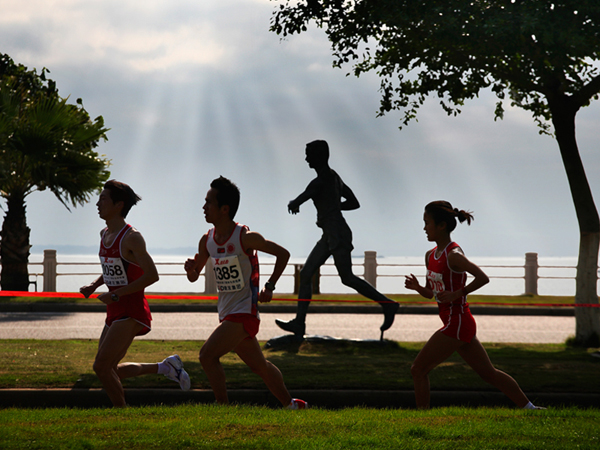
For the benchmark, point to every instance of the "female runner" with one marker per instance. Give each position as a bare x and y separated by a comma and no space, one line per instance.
447,269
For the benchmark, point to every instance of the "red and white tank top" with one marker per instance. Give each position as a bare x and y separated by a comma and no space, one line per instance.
442,278
236,274
118,272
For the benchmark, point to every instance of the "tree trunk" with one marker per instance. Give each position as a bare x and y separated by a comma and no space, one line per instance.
14,246
587,319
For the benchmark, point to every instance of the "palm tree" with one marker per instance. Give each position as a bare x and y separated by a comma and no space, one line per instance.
45,143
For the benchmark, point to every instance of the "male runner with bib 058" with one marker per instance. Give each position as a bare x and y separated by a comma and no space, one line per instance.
232,249
127,269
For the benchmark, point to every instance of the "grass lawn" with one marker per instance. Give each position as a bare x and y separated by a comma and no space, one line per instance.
343,365
253,427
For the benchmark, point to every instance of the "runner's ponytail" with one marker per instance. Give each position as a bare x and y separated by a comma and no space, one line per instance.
442,211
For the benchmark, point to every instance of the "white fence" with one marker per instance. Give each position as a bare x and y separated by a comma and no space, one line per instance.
530,273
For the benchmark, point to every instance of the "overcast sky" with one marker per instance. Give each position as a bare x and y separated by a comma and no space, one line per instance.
196,89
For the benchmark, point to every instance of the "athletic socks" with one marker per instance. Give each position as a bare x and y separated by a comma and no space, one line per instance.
532,406
163,368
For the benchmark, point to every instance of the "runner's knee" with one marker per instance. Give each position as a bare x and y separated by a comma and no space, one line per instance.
489,376
101,367
417,371
259,368
206,356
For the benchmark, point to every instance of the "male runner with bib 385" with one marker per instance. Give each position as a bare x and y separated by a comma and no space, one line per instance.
232,249
127,269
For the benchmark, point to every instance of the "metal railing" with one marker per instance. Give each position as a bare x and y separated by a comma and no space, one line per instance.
529,272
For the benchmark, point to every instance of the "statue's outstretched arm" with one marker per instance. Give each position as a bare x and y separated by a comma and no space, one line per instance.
309,192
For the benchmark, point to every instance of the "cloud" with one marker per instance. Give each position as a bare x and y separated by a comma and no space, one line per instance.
141,36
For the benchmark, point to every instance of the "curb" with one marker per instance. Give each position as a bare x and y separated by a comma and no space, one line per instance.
483,310
327,399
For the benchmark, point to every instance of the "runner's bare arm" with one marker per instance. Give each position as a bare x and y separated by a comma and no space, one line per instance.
459,263
255,241
193,266
411,282
89,289
133,249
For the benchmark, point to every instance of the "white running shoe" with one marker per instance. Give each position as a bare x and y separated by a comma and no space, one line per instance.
177,372
296,403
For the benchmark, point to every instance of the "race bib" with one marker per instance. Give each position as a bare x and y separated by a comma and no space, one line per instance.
113,271
228,273
436,282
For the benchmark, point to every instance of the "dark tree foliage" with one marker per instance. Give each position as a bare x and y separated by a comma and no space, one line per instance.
45,143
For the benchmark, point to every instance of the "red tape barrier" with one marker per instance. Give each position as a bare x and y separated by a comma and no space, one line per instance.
214,297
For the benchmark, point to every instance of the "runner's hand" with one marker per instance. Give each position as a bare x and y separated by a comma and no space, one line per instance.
265,296
448,297
411,282
105,298
87,290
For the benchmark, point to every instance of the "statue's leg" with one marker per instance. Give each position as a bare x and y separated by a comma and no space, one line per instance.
343,263
315,260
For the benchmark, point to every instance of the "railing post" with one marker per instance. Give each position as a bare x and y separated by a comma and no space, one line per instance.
371,268
316,287
531,273
210,283
297,269
49,270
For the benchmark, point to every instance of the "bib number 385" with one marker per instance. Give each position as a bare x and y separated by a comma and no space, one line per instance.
228,274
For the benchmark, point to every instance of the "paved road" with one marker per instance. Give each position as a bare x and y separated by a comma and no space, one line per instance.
197,326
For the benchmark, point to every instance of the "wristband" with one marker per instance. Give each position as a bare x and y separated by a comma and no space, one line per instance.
270,286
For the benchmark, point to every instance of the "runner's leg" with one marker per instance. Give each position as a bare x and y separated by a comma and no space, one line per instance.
249,351
475,356
133,369
438,348
113,345
226,337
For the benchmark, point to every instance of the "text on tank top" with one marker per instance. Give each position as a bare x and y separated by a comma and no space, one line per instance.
442,278
236,273
116,270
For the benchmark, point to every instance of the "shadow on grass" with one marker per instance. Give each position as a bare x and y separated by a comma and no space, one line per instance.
307,365
28,317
